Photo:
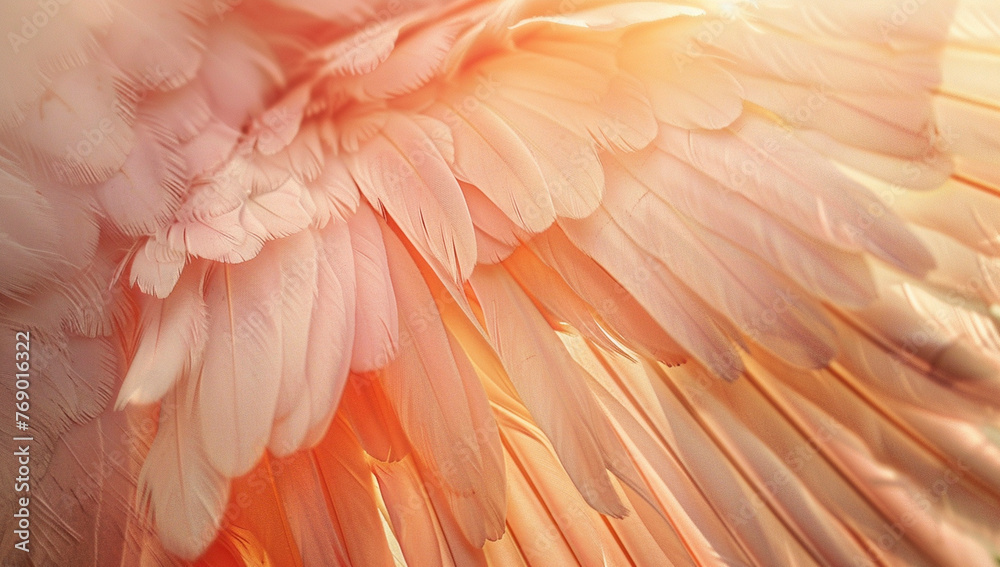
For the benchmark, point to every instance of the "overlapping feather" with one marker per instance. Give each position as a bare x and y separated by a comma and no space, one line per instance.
411,278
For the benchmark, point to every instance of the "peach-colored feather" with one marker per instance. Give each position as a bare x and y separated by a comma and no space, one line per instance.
501,282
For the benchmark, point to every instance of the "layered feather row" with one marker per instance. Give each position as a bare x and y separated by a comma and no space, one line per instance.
521,282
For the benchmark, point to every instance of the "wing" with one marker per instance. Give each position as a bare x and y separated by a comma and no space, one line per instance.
504,282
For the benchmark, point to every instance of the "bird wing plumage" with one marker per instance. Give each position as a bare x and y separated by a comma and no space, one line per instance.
504,282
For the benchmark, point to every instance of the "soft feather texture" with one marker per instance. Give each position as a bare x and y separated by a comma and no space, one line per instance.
436,395
586,448
402,282
178,479
171,342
